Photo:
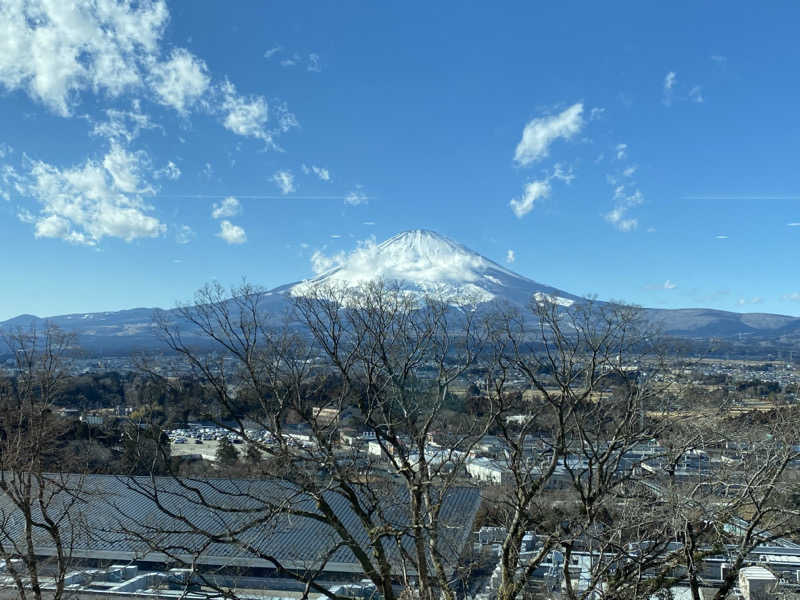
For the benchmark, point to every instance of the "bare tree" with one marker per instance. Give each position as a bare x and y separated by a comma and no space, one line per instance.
39,518
630,482
383,357
626,484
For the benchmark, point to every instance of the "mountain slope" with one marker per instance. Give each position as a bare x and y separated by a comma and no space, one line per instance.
421,262
426,262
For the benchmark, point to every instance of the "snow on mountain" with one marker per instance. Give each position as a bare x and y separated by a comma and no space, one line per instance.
423,261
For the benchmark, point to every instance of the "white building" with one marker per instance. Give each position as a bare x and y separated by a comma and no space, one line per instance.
488,470
756,582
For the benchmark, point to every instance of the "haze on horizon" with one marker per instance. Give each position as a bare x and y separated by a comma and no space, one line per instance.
643,153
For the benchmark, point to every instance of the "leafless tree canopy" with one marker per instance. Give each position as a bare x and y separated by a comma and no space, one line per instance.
368,414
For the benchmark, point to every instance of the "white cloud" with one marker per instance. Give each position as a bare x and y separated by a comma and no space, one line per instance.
367,262
185,235
667,285
5,150
12,181
290,62
285,181
126,168
313,63
621,151
57,51
543,131
229,207
323,174
721,237
564,174
244,116
368,223
123,125
596,113
320,262
320,172
755,300
232,234
630,171
272,52
794,224
510,257
54,51
625,200
181,81
89,202
669,82
169,171
696,94
534,191
793,297
356,197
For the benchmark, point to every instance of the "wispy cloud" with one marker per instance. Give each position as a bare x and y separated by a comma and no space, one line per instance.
312,63
669,82
185,234
272,52
229,207
793,224
356,197
792,297
321,262
510,257
721,237
754,300
621,150
322,173
627,196
532,193
541,132
285,181
596,113
667,285
539,189
696,94
169,171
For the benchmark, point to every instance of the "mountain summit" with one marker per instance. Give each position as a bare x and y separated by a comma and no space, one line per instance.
424,261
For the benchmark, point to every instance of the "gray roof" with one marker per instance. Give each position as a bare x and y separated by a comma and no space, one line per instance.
232,522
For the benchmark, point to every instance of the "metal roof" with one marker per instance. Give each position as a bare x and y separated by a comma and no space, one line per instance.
232,522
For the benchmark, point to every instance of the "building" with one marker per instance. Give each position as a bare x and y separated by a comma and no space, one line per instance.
756,582
132,520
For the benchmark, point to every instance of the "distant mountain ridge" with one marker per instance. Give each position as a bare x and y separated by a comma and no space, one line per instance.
422,262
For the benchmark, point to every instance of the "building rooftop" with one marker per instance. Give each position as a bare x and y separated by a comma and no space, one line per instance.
162,519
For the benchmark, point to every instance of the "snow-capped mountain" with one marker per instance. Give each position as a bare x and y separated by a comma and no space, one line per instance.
425,262
421,262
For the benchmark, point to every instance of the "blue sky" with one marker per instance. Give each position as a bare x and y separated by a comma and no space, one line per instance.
639,152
